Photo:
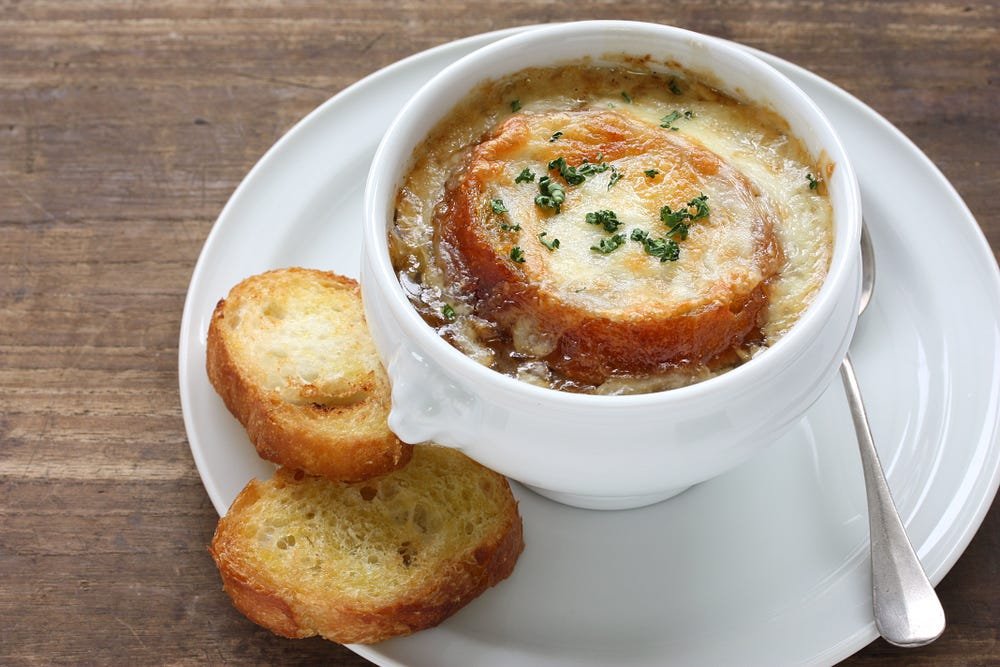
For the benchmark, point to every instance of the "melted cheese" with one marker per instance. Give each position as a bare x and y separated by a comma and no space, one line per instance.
721,258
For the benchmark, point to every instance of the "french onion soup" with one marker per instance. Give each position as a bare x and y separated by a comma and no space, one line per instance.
611,229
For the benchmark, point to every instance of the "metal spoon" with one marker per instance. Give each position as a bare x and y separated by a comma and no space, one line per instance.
907,610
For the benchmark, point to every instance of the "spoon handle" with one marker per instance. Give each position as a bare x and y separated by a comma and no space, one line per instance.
907,610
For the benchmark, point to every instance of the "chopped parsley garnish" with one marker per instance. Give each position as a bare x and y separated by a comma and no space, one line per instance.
607,219
552,195
551,245
569,174
674,88
577,175
609,245
674,116
587,168
515,105
651,173
499,208
447,312
526,176
517,254
700,206
813,182
668,120
555,137
671,217
666,249
615,177
679,231
626,97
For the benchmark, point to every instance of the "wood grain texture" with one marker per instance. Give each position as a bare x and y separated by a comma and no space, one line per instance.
125,127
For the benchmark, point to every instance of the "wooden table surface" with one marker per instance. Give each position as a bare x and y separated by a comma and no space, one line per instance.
125,127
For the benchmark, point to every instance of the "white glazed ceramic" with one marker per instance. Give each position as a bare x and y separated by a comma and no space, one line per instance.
605,452
765,565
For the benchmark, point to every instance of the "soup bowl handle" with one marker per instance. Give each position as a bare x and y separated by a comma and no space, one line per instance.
427,405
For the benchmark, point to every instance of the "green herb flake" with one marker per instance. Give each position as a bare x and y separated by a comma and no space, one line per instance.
515,105
665,249
609,245
551,245
510,228
700,206
674,88
552,195
569,174
679,231
813,181
448,313
651,173
668,120
674,116
555,137
498,206
626,97
526,176
517,254
577,175
672,217
700,210
607,219
588,168
615,177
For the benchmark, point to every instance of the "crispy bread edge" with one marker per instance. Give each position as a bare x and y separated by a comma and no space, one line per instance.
249,594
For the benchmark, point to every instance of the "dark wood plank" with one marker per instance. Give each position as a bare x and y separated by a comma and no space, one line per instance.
124,128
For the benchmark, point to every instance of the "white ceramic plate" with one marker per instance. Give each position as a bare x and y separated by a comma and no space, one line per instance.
766,565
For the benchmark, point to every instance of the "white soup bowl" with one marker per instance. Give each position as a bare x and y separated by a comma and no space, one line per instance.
596,451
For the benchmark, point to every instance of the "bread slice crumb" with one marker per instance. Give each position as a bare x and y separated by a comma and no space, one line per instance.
361,562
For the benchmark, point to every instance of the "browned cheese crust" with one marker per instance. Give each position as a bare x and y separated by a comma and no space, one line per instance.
338,432
693,311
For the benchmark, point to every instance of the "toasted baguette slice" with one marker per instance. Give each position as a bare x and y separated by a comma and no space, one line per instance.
362,562
290,354
594,313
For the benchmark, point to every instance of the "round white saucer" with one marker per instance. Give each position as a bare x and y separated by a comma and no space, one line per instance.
766,565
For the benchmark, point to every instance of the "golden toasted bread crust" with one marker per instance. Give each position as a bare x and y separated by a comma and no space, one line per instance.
346,439
248,595
281,598
709,315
